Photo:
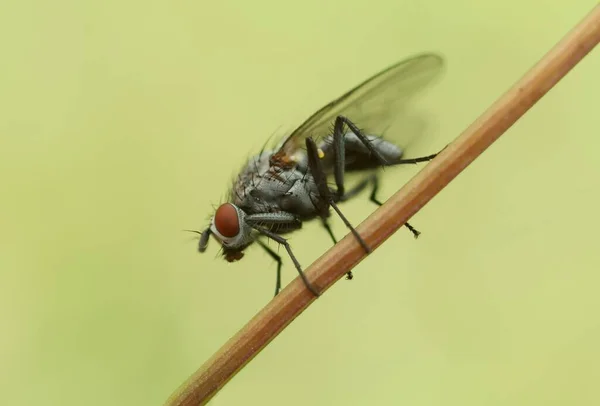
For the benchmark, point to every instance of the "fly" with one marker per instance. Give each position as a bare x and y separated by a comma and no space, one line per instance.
280,189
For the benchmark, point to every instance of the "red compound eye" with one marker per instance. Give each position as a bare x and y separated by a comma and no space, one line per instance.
226,220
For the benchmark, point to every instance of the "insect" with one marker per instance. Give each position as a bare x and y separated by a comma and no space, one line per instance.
280,189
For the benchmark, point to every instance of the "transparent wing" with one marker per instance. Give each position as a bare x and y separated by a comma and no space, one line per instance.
372,105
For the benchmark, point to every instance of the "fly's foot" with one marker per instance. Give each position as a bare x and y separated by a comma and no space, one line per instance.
416,233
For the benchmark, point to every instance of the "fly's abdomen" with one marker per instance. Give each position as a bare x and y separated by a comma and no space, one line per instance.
358,156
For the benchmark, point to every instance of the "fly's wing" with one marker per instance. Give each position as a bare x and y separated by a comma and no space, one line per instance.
372,105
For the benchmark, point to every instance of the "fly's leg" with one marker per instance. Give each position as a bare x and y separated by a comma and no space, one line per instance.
373,198
339,164
356,189
374,181
257,221
419,159
350,194
316,169
416,233
277,259
279,239
329,230
416,160
327,227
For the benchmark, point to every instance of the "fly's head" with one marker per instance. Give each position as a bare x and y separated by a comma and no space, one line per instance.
229,228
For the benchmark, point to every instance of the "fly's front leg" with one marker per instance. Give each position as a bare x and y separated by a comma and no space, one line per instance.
260,222
316,169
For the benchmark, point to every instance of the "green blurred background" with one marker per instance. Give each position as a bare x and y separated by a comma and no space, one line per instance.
122,122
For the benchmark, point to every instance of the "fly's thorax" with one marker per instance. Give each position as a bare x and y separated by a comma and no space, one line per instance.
302,198
264,193
250,177
229,227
